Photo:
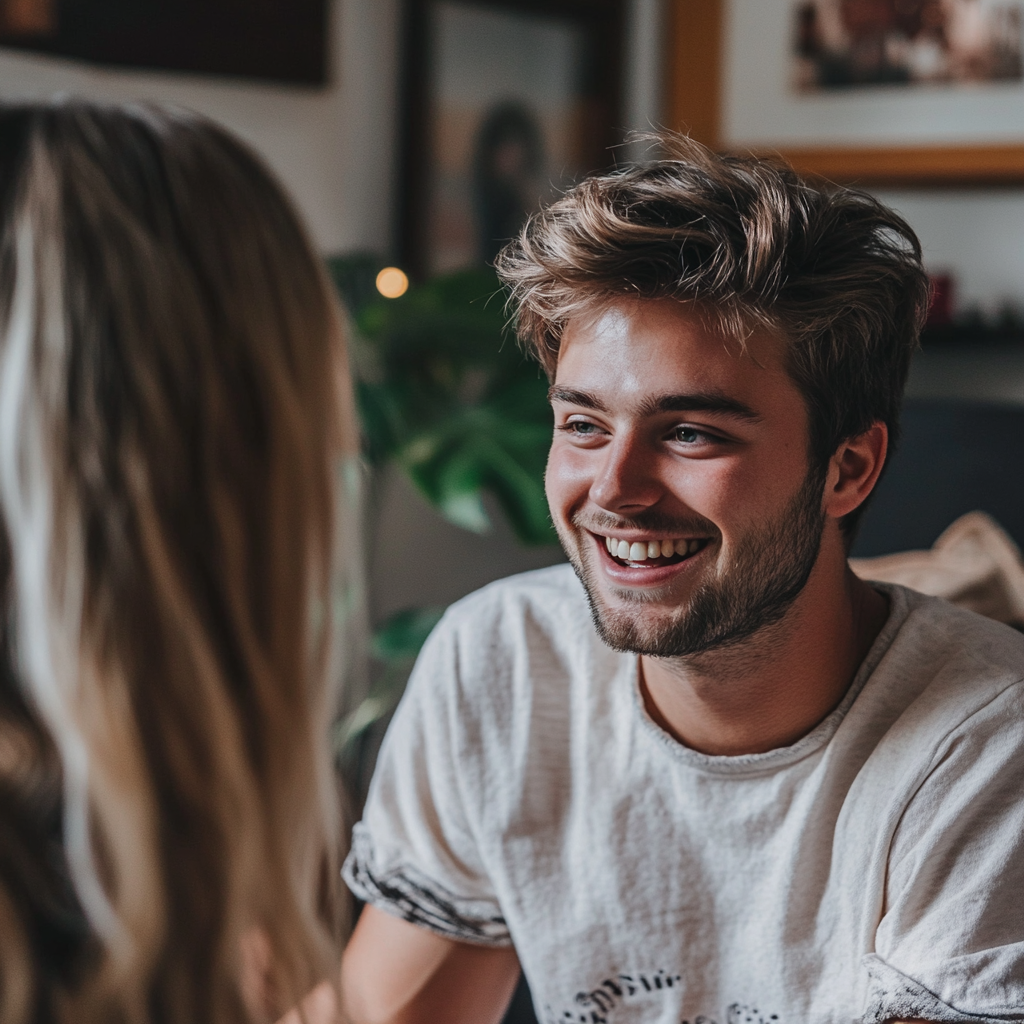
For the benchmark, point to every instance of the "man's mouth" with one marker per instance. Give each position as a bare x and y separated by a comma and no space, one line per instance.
652,553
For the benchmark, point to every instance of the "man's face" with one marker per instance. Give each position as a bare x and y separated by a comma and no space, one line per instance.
679,480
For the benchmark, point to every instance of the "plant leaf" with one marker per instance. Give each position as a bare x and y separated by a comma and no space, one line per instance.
404,633
455,403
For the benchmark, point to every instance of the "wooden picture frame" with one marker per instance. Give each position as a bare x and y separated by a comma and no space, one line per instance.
694,89
600,28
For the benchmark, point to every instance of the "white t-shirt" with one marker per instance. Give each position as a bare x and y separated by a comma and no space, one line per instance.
872,870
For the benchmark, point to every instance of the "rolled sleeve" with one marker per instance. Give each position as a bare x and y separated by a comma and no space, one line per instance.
950,944
415,854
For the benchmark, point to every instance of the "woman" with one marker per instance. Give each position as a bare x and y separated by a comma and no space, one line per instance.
172,415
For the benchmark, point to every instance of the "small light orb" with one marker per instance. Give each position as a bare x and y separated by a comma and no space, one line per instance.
392,282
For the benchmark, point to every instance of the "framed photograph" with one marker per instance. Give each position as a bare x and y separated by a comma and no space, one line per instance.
279,40
505,103
901,92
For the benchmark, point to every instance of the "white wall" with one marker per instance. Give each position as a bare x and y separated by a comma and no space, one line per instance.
333,146
644,109
978,235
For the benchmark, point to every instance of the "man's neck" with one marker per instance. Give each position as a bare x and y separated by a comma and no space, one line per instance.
775,687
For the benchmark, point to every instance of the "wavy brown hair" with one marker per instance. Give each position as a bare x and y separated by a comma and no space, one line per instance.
747,243
173,409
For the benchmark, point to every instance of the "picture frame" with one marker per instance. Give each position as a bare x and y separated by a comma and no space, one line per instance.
877,136
504,102
273,40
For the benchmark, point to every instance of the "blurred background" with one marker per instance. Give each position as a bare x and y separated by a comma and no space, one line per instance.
417,135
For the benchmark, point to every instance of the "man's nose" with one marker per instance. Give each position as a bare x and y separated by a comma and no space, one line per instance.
628,479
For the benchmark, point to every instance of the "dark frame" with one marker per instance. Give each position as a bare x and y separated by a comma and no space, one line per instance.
604,24
275,40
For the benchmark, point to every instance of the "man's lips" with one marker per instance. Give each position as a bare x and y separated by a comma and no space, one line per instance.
644,561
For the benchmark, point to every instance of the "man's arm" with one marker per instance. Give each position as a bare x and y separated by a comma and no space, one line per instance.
394,972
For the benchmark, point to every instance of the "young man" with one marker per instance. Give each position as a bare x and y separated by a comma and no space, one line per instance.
709,775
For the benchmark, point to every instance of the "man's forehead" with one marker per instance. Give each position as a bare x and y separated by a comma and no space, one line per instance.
622,317
662,346
613,315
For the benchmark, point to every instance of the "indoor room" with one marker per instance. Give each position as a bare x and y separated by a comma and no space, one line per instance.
415,141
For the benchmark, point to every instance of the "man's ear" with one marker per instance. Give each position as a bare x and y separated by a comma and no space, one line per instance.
853,470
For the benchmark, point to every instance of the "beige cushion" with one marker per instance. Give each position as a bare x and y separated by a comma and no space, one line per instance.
974,564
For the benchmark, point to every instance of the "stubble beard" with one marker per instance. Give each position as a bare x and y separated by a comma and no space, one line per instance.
765,576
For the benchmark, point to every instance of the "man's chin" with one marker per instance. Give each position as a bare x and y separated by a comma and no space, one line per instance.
631,621
634,633
620,598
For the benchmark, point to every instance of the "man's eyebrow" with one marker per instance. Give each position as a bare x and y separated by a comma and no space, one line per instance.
574,397
699,401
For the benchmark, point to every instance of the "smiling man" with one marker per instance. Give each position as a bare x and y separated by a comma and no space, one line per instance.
706,773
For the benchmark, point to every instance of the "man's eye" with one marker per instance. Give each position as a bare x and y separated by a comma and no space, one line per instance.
690,435
580,428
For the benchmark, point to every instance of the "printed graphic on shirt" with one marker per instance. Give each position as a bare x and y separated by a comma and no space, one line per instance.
618,998
410,895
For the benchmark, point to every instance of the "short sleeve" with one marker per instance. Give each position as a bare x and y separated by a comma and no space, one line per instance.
415,854
950,944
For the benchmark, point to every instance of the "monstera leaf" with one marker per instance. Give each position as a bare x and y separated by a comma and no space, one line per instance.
445,394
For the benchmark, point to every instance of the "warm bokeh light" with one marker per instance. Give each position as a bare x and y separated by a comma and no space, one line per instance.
392,282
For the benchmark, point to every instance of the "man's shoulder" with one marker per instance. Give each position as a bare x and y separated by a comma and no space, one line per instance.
947,665
511,650
946,632
534,624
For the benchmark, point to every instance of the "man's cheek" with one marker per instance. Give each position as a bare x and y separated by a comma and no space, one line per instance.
567,477
728,492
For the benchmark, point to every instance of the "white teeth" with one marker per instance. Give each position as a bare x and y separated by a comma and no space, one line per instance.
639,551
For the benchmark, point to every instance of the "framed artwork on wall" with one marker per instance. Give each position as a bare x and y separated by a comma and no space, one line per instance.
505,103
278,40
897,92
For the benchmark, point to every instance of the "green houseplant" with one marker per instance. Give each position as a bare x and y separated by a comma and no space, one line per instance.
445,394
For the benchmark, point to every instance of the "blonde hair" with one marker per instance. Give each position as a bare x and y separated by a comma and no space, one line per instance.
173,409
